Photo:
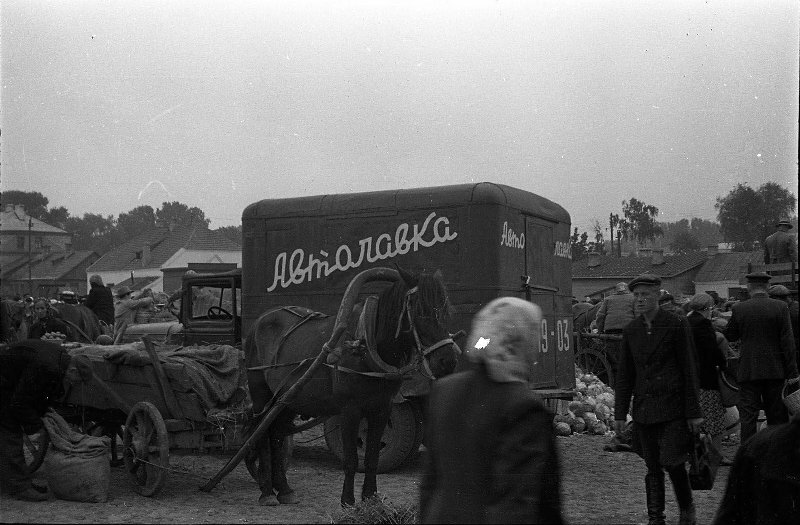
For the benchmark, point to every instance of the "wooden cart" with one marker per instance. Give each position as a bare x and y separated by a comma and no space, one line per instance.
151,407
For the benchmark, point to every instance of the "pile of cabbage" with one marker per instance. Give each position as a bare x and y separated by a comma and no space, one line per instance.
592,409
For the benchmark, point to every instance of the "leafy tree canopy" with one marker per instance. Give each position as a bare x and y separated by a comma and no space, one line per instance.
35,203
748,215
639,223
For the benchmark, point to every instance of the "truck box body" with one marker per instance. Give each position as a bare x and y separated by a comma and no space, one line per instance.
487,239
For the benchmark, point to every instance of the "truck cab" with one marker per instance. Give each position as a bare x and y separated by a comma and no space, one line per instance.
208,311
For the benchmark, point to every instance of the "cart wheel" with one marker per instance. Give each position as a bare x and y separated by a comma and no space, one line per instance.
397,442
145,448
34,447
591,360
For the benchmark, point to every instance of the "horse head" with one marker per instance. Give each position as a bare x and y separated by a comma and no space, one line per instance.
414,313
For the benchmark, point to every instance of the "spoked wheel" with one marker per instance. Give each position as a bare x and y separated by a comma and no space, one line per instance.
34,447
145,448
399,440
592,361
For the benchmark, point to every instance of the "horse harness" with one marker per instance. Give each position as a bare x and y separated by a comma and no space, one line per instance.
365,341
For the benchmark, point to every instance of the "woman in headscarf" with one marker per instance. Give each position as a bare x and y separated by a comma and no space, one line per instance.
491,453
710,359
46,322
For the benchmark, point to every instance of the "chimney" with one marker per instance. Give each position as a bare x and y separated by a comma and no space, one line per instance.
145,255
594,259
20,209
9,208
713,249
658,256
645,252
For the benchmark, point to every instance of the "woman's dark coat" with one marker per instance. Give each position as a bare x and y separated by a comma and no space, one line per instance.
101,303
491,454
709,356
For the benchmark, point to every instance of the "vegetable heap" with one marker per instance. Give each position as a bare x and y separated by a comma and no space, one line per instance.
591,411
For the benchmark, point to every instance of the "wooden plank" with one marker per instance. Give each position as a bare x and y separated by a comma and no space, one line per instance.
173,409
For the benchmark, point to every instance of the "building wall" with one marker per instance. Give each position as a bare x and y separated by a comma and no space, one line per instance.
40,242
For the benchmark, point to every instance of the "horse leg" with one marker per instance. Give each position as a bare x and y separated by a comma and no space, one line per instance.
376,423
260,461
286,494
350,418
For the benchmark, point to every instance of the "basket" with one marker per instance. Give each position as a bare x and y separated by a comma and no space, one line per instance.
792,401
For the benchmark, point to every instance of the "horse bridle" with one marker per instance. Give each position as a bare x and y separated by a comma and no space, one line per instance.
421,362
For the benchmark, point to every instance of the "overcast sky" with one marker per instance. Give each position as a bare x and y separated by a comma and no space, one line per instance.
107,105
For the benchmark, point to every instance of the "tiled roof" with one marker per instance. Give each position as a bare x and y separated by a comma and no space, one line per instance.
10,262
163,245
629,267
12,221
726,266
138,282
51,265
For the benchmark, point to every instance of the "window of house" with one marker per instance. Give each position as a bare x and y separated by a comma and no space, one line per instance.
38,241
20,242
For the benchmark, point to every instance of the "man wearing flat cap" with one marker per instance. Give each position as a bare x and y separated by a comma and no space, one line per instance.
780,247
657,369
767,354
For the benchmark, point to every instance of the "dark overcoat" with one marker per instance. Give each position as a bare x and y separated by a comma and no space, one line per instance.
764,483
767,348
709,356
101,303
491,454
657,368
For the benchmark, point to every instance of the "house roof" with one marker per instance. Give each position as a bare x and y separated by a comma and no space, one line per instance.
163,244
16,220
611,267
52,265
727,266
138,282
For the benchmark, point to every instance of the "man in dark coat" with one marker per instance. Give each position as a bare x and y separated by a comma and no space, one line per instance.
100,300
780,247
764,483
767,354
31,375
657,368
491,454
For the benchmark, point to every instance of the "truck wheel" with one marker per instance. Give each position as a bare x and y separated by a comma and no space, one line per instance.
400,438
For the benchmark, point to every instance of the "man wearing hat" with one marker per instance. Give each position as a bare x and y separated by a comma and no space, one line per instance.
780,247
125,309
614,314
657,369
767,354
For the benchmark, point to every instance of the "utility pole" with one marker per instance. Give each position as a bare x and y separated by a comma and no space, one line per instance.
30,259
611,223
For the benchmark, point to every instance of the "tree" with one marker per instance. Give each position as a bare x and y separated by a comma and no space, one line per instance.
233,233
579,244
180,214
35,203
94,232
640,221
746,215
685,242
599,244
139,219
56,217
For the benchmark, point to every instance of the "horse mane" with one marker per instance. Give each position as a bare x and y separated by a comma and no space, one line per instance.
431,300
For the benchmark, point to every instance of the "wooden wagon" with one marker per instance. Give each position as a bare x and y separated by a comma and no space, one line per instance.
153,407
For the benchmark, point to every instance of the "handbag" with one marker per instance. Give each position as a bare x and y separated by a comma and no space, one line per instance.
728,389
703,463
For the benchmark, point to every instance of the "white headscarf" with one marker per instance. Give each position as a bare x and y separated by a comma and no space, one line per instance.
505,338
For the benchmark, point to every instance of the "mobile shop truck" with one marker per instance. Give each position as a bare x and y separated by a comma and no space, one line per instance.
488,240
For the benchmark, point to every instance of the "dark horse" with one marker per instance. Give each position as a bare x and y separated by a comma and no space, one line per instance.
402,330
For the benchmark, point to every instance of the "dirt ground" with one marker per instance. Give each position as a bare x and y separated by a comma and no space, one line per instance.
597,487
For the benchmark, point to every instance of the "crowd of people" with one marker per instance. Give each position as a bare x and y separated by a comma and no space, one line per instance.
500,464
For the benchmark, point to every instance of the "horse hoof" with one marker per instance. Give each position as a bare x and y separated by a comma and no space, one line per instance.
289,498
268,500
